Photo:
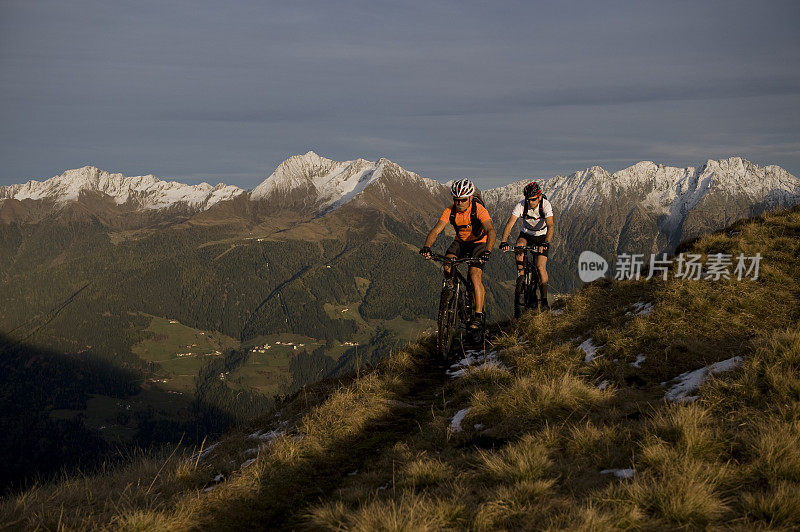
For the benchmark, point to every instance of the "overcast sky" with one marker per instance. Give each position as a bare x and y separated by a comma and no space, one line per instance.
224,91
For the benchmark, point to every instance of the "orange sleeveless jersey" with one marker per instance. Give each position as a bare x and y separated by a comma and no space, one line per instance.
464,234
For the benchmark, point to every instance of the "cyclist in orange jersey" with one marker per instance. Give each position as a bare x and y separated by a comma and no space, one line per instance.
475,237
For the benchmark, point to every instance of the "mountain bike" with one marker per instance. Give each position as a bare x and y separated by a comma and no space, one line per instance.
455,303
526,293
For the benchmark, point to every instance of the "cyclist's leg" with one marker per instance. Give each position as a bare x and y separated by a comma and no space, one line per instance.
541,265
476,277
478,321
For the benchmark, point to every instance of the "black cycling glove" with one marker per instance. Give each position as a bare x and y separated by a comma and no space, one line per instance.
485,255
504,246
424,250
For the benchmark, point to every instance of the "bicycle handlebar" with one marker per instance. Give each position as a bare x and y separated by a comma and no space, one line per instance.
517,249
450,260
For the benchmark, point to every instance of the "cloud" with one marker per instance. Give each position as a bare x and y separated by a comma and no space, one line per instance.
498,90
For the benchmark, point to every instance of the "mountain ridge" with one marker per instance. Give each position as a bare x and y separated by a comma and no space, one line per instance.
324,185
146,192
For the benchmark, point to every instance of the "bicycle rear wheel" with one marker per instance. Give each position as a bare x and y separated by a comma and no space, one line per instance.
448,316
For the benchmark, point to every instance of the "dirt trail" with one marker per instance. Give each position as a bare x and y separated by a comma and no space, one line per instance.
411,411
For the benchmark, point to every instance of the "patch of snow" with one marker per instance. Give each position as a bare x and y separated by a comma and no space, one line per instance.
247,463
590,349
479,426
691,381
385,486
205,452
603,385
210,488
639,359
557,311
455,423
252,451
219,478
352,473
619,473
268,435
474,360
641,308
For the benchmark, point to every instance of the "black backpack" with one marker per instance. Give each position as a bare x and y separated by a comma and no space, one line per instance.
477,226
541,208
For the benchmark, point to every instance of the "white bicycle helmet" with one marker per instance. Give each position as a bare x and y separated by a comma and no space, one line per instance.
463,188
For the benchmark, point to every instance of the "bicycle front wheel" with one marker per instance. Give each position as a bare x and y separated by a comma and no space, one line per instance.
532,299
519,296
448,314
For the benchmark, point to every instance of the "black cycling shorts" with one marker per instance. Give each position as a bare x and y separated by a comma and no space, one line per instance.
533,240
467,249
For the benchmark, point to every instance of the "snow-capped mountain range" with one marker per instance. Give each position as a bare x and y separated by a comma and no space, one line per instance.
652,206
144,192
324,185
664,189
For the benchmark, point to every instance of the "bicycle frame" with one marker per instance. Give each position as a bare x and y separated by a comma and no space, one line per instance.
526,297
455,303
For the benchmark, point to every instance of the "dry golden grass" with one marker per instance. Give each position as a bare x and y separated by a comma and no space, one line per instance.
776,507
589,441
528,401
685,491
407,512
525,460
776,447
689,429
425,471
488,375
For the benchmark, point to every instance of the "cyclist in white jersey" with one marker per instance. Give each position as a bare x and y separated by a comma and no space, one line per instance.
537,230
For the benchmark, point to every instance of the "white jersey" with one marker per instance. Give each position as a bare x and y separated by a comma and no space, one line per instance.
533,224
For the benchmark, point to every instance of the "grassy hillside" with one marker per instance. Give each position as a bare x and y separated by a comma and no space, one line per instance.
561,422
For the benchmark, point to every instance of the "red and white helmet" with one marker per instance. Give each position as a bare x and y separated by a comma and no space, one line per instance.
463,188
532,190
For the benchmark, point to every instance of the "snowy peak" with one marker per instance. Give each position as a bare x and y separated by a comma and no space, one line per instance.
145,192
325,184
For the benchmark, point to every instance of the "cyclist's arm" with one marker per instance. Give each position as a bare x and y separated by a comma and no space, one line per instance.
551,228
440,225
509,226
491,235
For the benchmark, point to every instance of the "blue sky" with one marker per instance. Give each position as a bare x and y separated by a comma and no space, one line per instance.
224,91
